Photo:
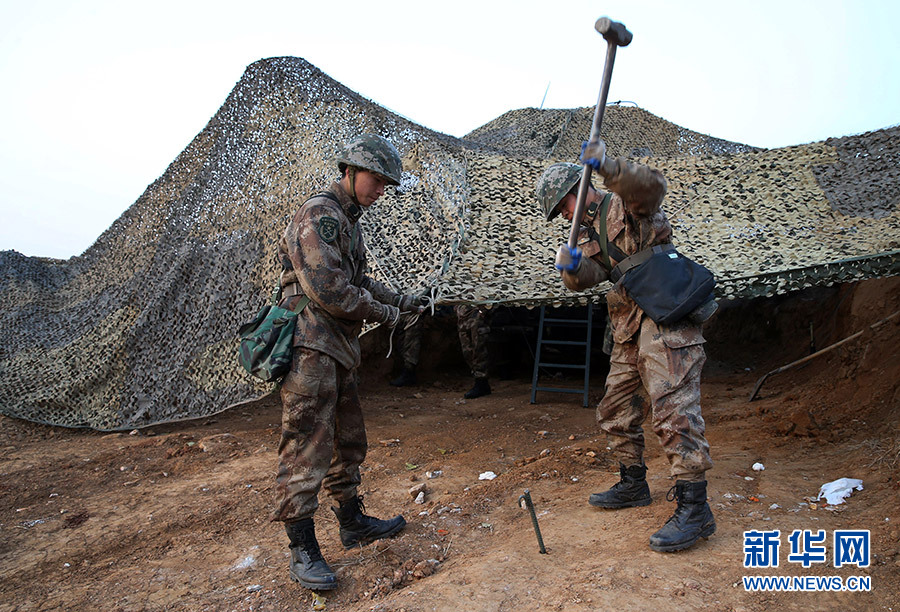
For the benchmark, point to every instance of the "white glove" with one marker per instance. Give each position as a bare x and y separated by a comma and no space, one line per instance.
568,259
594,154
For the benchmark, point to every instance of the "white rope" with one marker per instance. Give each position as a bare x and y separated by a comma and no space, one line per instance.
412,319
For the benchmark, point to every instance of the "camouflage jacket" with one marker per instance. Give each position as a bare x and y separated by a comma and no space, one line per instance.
322,249
635,221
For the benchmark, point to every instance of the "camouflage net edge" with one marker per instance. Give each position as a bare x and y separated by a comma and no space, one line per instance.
140,329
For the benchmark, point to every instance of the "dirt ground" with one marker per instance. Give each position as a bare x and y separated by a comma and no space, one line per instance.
175,517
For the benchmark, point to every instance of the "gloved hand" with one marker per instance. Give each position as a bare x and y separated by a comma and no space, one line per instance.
391,316
594,155
412,303
568,259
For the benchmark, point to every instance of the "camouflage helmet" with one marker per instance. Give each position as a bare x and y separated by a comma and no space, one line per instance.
556,181
373,153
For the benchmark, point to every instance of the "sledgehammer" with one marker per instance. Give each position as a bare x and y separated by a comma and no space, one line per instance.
616,36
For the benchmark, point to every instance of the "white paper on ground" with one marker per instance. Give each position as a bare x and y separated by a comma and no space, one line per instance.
835,491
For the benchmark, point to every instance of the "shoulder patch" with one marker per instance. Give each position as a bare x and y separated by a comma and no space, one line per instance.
328,228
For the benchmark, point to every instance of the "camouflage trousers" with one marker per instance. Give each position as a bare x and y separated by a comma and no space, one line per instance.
667,361
410,341
474,327
323,436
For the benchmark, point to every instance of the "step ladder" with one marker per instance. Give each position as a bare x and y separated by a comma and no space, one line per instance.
544,339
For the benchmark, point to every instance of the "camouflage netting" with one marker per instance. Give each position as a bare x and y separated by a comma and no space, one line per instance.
628,131
140,329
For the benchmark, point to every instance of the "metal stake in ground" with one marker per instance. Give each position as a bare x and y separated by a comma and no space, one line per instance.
526,497
616,36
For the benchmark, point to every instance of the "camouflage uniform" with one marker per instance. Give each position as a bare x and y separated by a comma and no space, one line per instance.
666,360
474,327
323,439
410,340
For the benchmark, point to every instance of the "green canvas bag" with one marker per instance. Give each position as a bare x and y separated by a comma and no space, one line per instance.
267,342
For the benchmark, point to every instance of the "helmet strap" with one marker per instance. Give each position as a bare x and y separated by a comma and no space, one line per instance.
351,176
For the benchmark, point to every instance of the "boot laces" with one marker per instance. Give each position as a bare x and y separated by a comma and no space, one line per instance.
365,519
362,517
622,484
672,494
311,546
682,507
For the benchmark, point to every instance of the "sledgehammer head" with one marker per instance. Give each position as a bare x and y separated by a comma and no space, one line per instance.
613,31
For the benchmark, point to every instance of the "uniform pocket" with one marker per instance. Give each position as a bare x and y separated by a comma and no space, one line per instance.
300,404
681,335
305,375
301,384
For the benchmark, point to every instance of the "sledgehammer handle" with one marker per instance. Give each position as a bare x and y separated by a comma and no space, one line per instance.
616,36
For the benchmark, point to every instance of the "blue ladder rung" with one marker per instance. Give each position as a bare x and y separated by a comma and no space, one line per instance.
567,321
560,390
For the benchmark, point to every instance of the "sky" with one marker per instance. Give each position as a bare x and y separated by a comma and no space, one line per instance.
99,97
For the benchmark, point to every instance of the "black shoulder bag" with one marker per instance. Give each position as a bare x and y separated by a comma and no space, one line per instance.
666,285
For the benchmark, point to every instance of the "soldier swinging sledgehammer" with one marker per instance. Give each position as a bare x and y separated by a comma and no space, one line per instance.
666,359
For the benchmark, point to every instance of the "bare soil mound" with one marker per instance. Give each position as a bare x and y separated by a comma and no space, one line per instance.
176,517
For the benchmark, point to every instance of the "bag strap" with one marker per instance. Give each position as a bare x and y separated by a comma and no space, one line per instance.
637,259
303,303
294,289
324,194
600,237
354,237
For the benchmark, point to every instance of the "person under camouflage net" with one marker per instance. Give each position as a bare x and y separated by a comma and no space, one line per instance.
665,360
323,437
473,324
409,345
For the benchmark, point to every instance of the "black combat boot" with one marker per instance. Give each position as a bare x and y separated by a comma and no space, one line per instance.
631,490
407,378
358,529
482,387
307,565
692,519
